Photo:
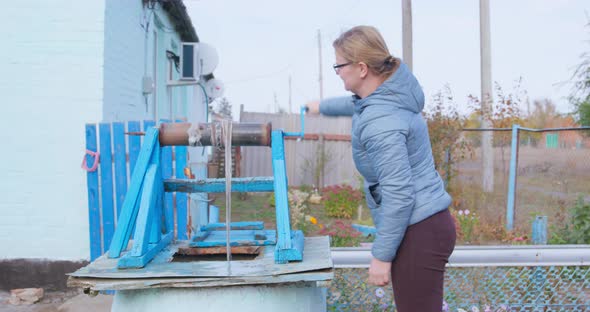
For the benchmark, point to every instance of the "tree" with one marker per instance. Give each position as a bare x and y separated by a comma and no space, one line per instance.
544,112
580,96
224,108
445,128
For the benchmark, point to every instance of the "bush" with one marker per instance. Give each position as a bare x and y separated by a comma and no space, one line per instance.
340,201
342,234
578,230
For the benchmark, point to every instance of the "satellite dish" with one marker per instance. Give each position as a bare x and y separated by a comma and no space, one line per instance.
214,88
208,57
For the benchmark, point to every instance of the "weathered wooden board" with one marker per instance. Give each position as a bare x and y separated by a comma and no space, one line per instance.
316,257
98,284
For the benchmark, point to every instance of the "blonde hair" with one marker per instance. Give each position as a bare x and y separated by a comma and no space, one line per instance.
365,44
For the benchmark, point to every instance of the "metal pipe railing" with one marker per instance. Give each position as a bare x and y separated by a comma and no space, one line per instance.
484,256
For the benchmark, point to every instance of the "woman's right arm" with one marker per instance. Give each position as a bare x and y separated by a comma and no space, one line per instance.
336,106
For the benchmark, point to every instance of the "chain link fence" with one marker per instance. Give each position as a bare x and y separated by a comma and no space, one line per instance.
554,288
551,170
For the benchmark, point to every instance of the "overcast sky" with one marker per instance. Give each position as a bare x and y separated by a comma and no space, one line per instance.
263,43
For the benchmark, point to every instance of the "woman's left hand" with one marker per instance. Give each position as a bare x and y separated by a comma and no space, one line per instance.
379,272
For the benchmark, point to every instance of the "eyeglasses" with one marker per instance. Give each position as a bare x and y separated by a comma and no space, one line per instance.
338,66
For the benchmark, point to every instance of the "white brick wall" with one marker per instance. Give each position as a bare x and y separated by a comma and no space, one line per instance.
50,85
124,61
63,65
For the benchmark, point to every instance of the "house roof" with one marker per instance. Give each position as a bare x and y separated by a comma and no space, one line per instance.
179,17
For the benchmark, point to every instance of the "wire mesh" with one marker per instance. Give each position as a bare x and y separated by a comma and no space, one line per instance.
466,185
554,288
552,173
552,170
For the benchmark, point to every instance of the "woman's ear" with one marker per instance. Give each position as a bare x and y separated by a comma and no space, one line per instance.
364,69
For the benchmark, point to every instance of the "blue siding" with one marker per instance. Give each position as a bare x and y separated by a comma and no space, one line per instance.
134,144
93,203
120,164
106,177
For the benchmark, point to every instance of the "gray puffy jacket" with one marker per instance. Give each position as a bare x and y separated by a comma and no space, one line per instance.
391,149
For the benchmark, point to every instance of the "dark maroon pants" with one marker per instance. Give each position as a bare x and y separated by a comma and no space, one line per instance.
418,270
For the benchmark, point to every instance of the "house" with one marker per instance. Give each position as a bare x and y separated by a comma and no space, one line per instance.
65,64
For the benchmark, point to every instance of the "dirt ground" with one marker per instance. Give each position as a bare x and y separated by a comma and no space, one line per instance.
64,301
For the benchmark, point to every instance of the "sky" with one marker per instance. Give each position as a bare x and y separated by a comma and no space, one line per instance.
262,44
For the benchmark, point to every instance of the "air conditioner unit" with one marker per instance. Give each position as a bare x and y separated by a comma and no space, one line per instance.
190,63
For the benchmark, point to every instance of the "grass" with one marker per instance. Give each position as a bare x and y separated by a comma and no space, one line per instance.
259,207
247,207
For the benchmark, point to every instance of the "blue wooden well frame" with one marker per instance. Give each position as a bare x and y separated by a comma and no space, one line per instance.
147,208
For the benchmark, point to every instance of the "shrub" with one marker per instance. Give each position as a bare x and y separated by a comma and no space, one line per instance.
340,201
467,221
342,234
578,230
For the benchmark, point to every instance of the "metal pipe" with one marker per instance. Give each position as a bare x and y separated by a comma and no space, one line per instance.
512,179
485,256
210,134
528,129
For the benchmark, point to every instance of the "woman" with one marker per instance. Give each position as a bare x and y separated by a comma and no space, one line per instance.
391,149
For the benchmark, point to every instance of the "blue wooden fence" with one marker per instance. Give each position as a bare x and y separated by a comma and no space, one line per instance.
118,145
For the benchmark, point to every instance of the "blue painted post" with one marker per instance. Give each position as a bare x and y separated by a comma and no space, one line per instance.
213,214
120,164
181,198
539,235
512,179
106,181
92,184
134,144
166,167
289,245
280,188
147,212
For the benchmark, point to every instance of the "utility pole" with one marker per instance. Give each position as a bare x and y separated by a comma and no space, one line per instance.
407,33
320,161
321,80
487,137
290,102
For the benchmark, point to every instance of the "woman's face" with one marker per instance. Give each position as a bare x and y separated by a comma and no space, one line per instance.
350,74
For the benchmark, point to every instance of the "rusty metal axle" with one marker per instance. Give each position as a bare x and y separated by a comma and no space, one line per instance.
211,134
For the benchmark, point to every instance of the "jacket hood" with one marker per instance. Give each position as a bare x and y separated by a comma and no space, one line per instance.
401,90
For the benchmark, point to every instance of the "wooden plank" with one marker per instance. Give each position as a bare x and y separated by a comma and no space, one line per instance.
129,262
181,198
134,144
157,222
257,184
147,212
236,250
106,184
166,167
93,201
242,225
198,282
130,207
317,256
134,149
237,238
120,164
147,124
327,137
295,253
280,188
